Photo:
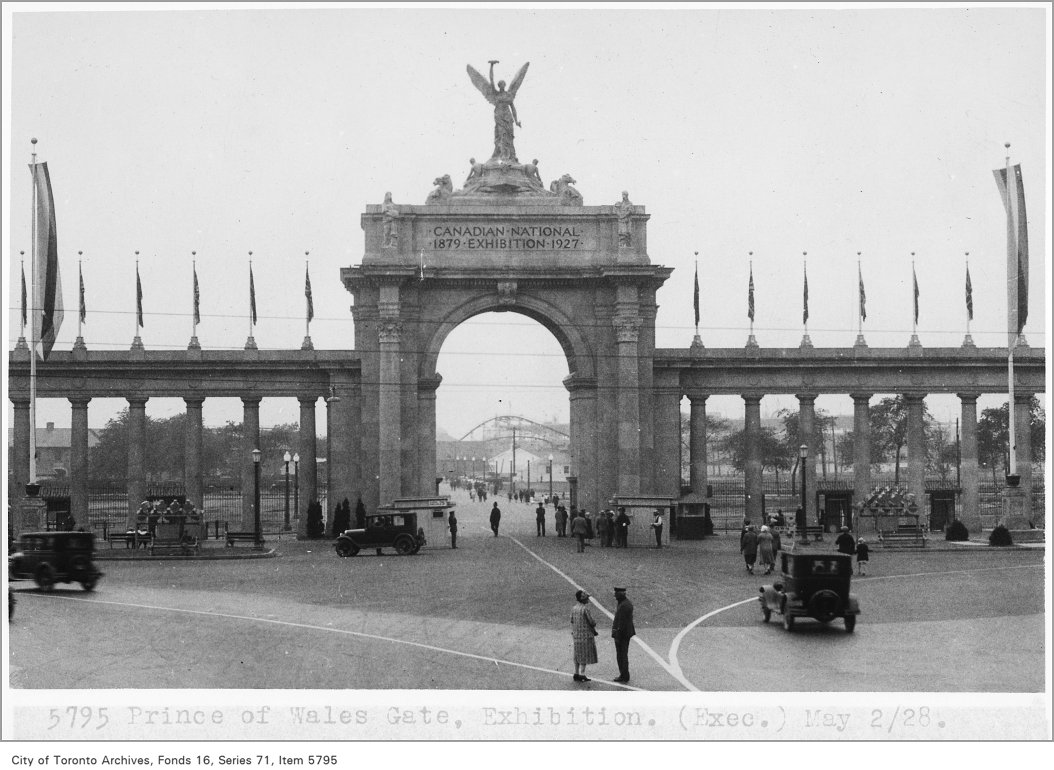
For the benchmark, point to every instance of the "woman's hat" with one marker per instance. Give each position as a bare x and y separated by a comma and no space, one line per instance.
581,595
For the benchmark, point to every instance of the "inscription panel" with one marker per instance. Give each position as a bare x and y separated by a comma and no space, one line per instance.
489,236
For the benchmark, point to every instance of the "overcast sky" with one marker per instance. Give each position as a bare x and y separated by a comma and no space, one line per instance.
775,132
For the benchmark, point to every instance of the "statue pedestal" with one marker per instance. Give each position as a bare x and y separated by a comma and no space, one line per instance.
31,515
1014,516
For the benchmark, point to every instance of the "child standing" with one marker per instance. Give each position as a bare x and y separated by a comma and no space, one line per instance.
861,555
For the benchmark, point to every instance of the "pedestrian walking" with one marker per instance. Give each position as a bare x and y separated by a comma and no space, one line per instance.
845,542
495,518
766,552
610,516
657,526
539,516
583,635
589,524
602,529
622,529
748,546
777,541
561,521
452,522
578,530
862,555
622,631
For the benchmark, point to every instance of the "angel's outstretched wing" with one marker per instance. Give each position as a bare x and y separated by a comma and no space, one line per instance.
516,81
481,83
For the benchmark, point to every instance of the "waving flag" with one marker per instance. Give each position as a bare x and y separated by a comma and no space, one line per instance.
915,288
138,297
969,295
863,294
83,308
1013,193
197,298
805,298
307,293
47,285
25,316
750,295
252,296
695,297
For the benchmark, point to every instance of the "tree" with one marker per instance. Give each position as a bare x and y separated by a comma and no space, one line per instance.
889,423
773,451
792,435
993,434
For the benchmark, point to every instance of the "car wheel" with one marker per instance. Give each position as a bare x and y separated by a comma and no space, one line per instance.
788,622
850,623
404,545
346,547
89,583
45,577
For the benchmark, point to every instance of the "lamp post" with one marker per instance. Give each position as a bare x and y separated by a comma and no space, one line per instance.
287,457
296,485
473,466
483,462
803,455
550,478
257,531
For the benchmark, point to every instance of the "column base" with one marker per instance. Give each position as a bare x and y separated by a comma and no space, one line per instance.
752,343
806,342
21,344
968,342
1014,516
137,343
914,342
860,341
307,345
194,344
250,343
697,343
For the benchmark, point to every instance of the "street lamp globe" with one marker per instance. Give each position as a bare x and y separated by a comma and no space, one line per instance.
803,451
257,454
287,457
296,458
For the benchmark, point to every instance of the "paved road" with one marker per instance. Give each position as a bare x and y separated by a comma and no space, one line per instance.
493,615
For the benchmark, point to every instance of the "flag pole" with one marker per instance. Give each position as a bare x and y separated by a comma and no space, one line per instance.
25,311
751,268
80,296
307,267
969,311
194,309
33,326
1011,314
859,307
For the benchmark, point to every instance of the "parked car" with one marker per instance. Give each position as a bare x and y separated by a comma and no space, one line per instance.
383,530
813,585
55,557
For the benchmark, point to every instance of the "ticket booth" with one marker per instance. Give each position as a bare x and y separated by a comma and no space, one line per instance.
641,511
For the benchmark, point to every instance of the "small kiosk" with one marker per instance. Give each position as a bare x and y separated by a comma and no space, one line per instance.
641,511
693,518
432,513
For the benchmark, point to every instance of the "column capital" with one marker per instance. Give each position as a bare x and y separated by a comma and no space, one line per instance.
19,402
576,383
389,330
251,401
861,397
912,398
194,402
970,398
429,383
806,398
699,398
627,328
753,399
1023,398
79,402
307,402
137,401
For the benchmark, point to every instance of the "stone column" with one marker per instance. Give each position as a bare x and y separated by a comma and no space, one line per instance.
807,436
752,472
861,455
193,482
251,439
584,433
308,451
79,461
19,458
1023,437
667,440
390,412
916,435
697,444
342,444
136,456
426,436
627,398
970,500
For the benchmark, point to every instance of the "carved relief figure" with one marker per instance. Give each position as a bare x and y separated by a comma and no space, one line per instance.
569,196
391,223
625,225
475,174
504,109
442,191
530,170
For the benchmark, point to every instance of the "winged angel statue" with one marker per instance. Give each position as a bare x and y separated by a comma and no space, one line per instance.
504,109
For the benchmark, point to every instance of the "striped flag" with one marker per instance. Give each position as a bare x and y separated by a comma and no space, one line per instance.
863,294
25,316
805,297
47,284
197,297
307,293
83,307
969,295
252,295
915,289
695,297
138,298
1013,193
750,295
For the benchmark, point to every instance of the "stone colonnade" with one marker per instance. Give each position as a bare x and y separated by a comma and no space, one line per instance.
969,500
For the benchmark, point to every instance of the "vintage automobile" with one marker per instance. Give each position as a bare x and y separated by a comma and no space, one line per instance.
396,530
812,585
55,557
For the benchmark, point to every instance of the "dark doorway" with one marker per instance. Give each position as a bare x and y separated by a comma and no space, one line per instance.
942,509
836,509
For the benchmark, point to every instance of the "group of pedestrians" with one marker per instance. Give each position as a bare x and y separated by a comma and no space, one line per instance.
584,633
759,546
846,544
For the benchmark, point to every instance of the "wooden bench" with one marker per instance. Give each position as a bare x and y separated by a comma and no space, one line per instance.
233,537
171,537
131,539
907,537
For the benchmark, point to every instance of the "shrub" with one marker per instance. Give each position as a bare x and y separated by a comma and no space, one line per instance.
956,531
315,526
341,518
1000,536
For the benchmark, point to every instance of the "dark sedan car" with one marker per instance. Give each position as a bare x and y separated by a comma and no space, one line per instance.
383,530
55,557
812,585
